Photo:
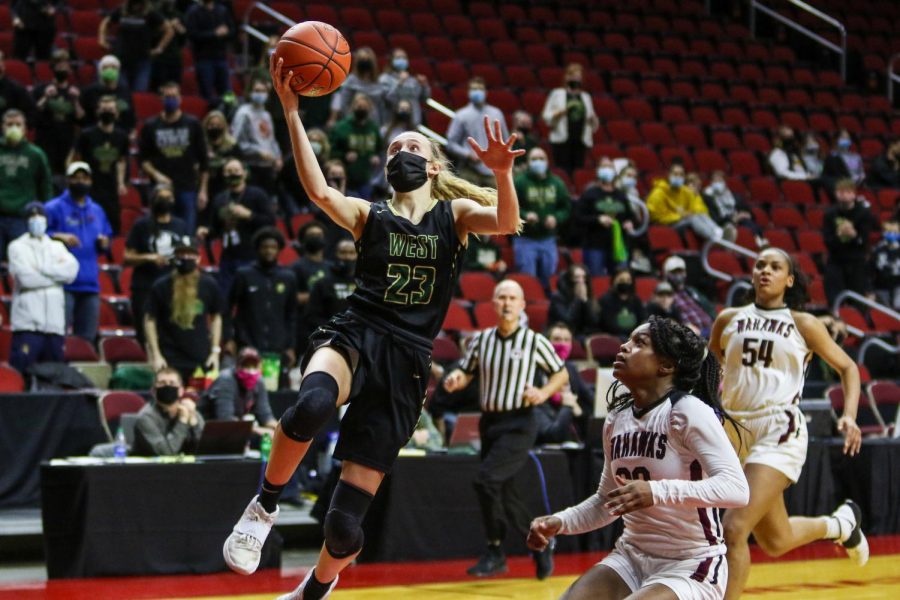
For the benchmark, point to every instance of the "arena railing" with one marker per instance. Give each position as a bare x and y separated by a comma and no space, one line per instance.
256,33
892,76
737,249
860,299
868,343
841,50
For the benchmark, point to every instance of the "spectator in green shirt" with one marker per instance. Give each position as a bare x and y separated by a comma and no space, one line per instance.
356,140
24,177
544,205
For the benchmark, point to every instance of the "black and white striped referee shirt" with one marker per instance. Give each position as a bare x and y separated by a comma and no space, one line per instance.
507,365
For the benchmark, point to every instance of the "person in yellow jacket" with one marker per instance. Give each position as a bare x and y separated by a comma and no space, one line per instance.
673,203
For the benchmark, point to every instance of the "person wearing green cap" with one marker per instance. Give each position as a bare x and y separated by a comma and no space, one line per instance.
109,83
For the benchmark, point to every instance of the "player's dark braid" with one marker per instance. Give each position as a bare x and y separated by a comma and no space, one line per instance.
796,296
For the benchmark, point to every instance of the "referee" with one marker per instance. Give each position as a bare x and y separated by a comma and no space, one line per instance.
507,357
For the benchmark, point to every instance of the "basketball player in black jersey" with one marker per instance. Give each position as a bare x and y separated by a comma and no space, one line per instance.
375,356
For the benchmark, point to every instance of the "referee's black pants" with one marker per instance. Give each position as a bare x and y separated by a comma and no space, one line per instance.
506,438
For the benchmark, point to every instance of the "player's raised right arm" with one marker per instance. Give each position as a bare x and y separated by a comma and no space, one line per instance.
349,213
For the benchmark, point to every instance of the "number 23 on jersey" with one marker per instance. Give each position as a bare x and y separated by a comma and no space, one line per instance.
410,285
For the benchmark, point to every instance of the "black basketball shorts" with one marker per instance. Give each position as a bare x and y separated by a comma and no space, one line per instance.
390,379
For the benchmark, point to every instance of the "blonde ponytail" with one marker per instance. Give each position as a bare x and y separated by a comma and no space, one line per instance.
447,186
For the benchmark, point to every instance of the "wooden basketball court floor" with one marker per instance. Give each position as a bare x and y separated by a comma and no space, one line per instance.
816,572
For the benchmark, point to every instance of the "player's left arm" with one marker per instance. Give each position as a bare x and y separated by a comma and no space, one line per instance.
499,156
818,340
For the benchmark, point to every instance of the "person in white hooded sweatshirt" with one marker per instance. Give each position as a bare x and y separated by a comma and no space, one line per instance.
40,266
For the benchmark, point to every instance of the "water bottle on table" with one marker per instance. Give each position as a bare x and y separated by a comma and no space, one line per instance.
120,449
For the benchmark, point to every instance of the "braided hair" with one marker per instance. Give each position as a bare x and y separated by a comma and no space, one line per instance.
696,369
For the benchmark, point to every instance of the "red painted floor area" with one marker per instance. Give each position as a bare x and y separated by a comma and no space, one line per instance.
368,575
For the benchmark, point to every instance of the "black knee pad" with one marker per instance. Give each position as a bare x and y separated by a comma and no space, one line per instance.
343,521
313,409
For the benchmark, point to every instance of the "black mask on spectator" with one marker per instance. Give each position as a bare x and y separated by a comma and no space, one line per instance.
365,65
625,288
167,394
406,171
403,115
79,190
360,114
215,133
186,266
573,84
234,180
61,75
313,243
107,117
163,206
345,268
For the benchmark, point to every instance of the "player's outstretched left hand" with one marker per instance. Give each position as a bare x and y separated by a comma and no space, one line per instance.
631,495
281,83
499,155
852,435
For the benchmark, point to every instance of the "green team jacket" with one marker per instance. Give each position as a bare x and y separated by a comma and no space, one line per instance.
24,177
544,196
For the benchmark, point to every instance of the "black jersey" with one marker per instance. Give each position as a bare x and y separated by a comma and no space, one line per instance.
406,273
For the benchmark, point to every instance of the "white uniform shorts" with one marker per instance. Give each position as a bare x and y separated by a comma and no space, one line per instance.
692,579
777,439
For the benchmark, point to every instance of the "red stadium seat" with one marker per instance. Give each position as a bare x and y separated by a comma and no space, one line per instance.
884,397
656,133
445,350
644,287
744,163
537,315
725,139
704,114
764,189
638,109
534,291
623,132
690,135
457,318
477,286
78,349
391,21
798,192
710,160
600,284
112,405
781,238
88,48
787,216
485,315
812,242
118,349
664,239
11,381
602,348
724,261
644,157
85,22
884,323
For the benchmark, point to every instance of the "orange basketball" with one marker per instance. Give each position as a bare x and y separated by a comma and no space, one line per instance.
318,55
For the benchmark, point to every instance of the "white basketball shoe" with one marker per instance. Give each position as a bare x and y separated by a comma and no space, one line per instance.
849,516
243,547
297,594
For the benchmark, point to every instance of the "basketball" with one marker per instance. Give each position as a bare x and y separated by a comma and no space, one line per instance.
318,55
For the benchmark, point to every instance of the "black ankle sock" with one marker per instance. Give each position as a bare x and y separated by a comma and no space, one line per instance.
269,494
315,589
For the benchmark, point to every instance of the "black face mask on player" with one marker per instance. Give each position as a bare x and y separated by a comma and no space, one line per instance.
406,171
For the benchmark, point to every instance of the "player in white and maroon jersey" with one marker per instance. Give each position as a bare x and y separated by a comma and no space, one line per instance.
765,347
669,467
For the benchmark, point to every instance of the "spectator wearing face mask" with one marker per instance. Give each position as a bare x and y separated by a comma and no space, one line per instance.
620,308
254,131
237,214
843,162
569,113
220,147
149,248
785,158
170,425
662,304
59,110
469,122
399,122
109,83
728,211
239,392
80,223
308,269
544,205
400,85
173,152
696,310
330,293
24,177
563,417
886,264
846,231
885,170
675,204
356,140
105,148
603,218
290,181
264,300
362,80
183,319
573,302
810,154
39,266
523,127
